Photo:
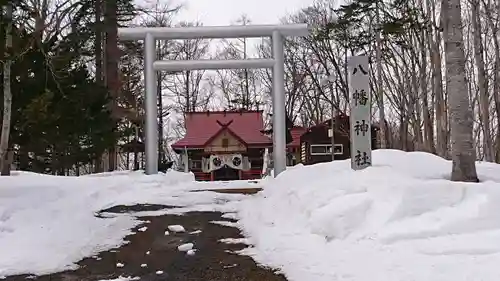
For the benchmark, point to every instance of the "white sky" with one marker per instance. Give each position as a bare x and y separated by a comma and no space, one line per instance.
224,12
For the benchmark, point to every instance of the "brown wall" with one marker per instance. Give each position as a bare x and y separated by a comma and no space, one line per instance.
319,135
295,151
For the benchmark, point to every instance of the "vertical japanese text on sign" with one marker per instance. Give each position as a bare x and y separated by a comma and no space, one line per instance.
360,116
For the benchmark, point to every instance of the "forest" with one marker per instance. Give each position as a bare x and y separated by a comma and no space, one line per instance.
73,93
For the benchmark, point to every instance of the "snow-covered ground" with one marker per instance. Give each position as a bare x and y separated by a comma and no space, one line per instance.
49,223
401,219
398,220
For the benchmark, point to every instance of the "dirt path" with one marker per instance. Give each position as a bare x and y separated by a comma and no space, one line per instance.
158,251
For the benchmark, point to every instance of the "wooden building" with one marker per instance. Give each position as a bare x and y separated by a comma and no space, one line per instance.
316,142
224,145
293,148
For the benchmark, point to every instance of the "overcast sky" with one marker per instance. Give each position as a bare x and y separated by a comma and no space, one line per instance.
224,12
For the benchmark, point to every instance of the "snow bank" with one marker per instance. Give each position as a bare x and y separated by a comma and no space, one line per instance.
48,223
401,219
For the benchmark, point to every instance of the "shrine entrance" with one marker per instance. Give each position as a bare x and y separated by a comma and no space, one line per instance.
226,173
276,34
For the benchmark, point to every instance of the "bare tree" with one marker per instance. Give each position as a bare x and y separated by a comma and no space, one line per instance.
380,96
462,149
186,87
441,112
493,21
484,102
240,88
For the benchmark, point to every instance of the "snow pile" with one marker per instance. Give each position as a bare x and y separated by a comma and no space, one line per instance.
176,228
185,247
398,220
49,223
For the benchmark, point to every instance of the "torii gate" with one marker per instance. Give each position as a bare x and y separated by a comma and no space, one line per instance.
151,66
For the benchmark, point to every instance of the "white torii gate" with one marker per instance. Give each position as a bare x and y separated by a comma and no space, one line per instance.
151,66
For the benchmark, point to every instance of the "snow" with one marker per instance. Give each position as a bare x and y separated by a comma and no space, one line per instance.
234,240
48,223
176,228
225,223
185,247
123,279
232,216
401,219
237,184
143,229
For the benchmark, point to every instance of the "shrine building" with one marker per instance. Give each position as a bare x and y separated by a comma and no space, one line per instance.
230,145
224,145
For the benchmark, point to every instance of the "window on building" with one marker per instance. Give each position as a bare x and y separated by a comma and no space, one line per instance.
225,142
339,149
319,149
326,149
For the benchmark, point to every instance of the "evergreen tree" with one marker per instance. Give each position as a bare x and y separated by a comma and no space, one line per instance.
60,118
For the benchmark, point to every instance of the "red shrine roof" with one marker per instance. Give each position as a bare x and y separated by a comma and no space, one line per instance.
202,127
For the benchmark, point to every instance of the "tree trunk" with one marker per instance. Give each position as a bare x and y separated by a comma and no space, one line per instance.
5,161
496,90
247,103
380,96
428,123
415,105
463,154
136,152
98,63
437,81
112,57
188,94
493,24
403,129
160,117
482,80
